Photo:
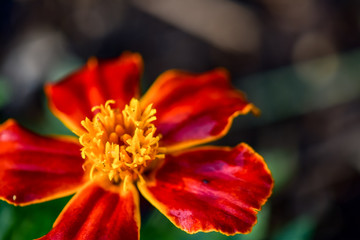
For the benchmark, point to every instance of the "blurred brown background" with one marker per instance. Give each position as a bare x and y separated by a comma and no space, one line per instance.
298,61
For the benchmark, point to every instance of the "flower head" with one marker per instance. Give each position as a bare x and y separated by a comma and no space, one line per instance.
121,144
128,143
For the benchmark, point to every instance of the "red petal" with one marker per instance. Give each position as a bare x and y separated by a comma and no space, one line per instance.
35,168
211,189
96,213
71,100
194,108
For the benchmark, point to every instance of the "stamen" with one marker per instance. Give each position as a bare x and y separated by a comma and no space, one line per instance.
121,144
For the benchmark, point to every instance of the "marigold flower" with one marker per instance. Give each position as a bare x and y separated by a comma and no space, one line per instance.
128,143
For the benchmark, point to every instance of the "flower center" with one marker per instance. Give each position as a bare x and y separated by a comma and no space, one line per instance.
121,144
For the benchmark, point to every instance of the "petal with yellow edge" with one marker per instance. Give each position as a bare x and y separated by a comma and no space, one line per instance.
210,189
96,213
72,99
34,168
194,108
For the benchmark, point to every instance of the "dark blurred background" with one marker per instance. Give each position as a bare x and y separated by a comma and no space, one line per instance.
298,61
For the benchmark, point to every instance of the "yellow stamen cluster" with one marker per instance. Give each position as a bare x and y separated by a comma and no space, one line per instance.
121,144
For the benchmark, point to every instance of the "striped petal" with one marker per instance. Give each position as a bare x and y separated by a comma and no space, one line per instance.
97,213
72,99
34,168
210,189
194,108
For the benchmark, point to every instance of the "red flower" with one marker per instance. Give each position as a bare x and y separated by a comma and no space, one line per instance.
126,140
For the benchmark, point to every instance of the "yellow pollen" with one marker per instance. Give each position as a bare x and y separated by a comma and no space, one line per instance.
121,144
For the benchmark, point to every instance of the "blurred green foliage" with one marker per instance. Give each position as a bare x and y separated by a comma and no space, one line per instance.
303,87
301,228
30,222
4,92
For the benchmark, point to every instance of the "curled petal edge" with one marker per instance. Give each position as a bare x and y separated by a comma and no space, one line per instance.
150,181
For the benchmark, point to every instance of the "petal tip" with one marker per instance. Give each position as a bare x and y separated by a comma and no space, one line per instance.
223,71
133,56
9,122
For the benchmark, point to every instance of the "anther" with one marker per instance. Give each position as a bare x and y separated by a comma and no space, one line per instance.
120,144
